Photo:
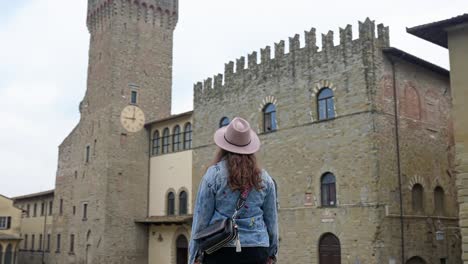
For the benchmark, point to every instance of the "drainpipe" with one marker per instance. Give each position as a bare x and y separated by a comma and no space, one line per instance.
397,144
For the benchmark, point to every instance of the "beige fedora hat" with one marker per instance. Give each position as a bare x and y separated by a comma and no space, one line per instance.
237,137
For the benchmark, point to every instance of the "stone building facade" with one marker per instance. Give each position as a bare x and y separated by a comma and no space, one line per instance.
452,34
103,163
349,186
357,135
10,236
170,186
36,226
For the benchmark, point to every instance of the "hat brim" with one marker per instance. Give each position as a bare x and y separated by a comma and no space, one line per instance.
251,148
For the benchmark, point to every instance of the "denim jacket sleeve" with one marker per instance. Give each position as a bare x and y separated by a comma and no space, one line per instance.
203,210
270,215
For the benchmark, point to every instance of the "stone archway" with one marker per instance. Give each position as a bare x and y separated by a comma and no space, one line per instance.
416,260
9,254
181,250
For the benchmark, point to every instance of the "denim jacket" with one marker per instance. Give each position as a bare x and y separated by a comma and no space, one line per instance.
257,221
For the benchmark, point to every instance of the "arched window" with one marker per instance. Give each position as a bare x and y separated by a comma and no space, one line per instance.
183,203
188,136
182,250
439,200
269,118
329,249
176,143
416,260
224,122
165,141
417,195
170,203
326,104
328,188
9,254
156,142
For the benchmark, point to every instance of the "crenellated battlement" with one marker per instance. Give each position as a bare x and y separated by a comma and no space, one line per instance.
160,13
298,59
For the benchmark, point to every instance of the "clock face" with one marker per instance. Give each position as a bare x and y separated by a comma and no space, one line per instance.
132,118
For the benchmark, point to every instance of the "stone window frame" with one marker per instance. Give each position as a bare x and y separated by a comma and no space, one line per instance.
166,142
183,189
261,121
188,135
156,143
442,209
134,100
58,243
5,222
72,244
414,206
183,230
85,207
328,99
176,141
319,86
335,200
166,202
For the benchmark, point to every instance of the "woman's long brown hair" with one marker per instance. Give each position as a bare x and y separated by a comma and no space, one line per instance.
243,170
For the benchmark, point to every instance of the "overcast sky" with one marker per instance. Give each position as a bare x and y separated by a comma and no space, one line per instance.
44,45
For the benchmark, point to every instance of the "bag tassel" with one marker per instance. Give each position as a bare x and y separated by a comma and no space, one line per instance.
238,244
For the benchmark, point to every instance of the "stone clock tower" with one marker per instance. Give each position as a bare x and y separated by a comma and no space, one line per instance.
102,175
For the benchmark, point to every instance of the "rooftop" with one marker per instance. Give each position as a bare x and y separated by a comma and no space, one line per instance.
33,195
416,60
436,32
168,118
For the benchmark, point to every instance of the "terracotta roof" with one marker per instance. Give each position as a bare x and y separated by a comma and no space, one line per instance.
168,118
32,195
436,32
167,220
416,60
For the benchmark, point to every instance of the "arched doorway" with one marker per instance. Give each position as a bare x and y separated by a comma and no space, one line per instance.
9,254
182,250
416,260
329,249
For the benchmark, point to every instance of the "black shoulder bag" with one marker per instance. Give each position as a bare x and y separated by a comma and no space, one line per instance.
219,234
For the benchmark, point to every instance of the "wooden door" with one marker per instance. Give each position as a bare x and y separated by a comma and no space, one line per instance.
182,250
329,250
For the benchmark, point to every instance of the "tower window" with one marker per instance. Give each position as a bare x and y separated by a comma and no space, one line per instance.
61,207
439,203
328,188
42,209
326,104
33,239
28,209
40,241
58,243
417,196
269,118
48,243
72,243
88,151
50,207
85,211
134,97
